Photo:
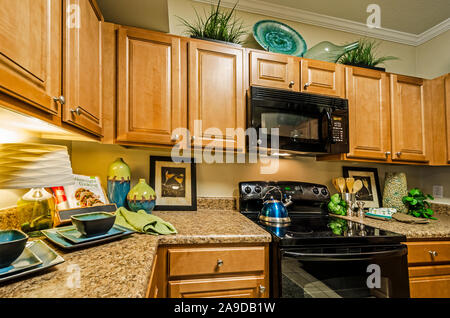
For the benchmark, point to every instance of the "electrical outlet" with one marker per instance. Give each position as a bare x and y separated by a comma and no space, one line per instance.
438,191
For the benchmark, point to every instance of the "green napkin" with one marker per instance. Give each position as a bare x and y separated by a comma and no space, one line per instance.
142,222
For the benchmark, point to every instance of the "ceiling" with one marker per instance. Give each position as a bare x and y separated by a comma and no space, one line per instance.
411,16
147,14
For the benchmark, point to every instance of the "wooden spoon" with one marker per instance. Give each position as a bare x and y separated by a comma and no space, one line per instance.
357,186
341,184
335,184
350,182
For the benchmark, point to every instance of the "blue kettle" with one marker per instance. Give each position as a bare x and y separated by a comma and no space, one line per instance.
274,211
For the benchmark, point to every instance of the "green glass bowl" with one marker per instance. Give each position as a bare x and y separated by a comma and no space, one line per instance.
278,37
12,244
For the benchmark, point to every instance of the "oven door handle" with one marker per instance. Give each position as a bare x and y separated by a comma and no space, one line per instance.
402,250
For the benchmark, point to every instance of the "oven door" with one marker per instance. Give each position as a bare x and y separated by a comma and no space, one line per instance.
345,272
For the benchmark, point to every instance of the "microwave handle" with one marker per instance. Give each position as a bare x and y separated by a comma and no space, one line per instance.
401,250
329,127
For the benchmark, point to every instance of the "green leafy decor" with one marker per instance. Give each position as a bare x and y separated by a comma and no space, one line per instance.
217,24
364,55
417,204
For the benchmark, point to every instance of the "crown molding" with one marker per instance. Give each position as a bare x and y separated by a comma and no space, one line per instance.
307,17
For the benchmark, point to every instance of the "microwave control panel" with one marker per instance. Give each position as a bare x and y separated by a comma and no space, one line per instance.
337,128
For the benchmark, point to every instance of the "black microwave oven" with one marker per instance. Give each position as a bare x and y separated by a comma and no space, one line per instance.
308,124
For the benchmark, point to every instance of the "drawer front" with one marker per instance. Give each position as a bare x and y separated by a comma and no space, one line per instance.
430,287
210,261
428,252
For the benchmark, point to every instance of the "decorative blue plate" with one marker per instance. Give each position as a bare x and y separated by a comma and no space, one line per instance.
26,260
73,235
278,37
54,237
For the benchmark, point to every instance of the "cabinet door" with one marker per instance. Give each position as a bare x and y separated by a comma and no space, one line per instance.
447,103
216,92
367,92
149,87
274,70
322,78
409,119
430,287
82,84
30,52
239,287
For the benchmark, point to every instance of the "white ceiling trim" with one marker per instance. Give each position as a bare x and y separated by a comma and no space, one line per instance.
298,15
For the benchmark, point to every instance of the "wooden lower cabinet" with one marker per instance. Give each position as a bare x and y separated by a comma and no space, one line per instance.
429,269
211,270
230,287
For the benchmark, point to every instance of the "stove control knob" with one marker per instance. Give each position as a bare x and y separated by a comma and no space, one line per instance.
316,191
247,189
258,189
324,192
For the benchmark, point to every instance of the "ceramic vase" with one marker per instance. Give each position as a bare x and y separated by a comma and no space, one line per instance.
141,197
329,52
395,188
119,177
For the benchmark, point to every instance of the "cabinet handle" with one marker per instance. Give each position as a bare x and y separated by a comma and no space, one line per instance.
175,137
433,253
60,99
398,153
307,85
219,263
193,138
76,111
387,153
262,289
291,84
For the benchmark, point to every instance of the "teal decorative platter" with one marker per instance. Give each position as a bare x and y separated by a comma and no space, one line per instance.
70,233
26,260
278,37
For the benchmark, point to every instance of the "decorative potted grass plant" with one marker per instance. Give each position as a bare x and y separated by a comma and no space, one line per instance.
364,56
217,25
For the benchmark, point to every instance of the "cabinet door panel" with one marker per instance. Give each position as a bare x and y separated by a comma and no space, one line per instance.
322,78
430,287
447,103
149,87
216,90
273,70
409,119
367,92
239,287
82,86
30,54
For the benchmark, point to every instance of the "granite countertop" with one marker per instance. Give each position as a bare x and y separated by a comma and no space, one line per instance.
435,230
122,268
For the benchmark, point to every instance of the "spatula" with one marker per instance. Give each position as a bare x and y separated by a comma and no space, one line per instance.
349,182
357,186
341,184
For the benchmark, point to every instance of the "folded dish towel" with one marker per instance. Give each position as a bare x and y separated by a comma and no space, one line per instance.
143,223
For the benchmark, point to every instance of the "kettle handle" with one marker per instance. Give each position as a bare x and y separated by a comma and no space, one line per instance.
270,189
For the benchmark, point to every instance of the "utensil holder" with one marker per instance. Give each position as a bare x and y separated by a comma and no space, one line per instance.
350,199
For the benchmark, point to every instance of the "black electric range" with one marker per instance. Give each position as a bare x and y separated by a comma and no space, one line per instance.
318,255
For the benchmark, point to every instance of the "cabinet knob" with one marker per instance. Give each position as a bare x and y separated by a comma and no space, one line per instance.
262,289
307,85
175,137
387,153
60,99
76,111
193,138
219,263
291,84
433,253
259,142
398,153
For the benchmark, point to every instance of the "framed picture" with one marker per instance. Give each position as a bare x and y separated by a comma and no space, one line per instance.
370,193
174,183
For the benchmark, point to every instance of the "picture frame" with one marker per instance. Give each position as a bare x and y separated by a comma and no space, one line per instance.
370,193
175,183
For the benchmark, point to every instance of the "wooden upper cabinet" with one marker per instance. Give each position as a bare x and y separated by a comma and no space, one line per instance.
274,70
149,87
322,78
30,52
447,103
216,92
82,71
410,118
367,92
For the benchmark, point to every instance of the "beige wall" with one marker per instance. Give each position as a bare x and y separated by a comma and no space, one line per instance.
433,57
